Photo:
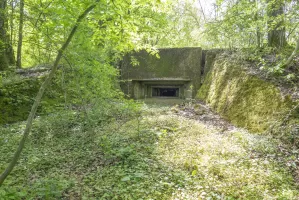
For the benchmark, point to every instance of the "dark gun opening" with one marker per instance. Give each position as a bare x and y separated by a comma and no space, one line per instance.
165,92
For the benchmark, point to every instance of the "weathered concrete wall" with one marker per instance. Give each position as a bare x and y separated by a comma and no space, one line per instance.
241,98
174,63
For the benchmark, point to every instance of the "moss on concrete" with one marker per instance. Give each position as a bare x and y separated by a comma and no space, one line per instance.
243,99
17,98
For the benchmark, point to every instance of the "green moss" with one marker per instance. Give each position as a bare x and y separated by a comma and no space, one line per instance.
243,99
17,98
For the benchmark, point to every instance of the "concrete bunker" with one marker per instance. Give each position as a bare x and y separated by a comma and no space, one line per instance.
176,74
161,88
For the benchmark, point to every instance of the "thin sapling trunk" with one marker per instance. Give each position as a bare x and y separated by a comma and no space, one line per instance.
40,93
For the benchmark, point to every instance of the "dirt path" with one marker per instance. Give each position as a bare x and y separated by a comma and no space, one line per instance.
220,160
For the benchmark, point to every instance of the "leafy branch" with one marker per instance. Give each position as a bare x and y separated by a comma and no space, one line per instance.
40,93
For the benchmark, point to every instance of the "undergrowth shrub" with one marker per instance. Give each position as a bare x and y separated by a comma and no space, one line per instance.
101,113
68,136
46,188
287,128
270,63
57,125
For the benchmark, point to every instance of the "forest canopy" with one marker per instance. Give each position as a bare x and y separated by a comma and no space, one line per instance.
31,32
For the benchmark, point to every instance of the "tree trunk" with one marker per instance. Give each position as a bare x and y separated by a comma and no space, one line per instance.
40,94
12,7
6,50
258,38
258,32
20,41
276,35
3,58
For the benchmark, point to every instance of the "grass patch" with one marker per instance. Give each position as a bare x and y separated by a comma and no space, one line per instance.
156,156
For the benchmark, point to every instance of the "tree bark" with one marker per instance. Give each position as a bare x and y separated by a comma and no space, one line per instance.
276,35
12,7
258,37
3,57
20,41
258,32
6,50
40,94
203,13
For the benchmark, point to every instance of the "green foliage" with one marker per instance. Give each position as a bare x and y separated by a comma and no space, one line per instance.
90,65
19,92
270,62
16,95
112,28
70,156
183,27
246,24
48,188
79,87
